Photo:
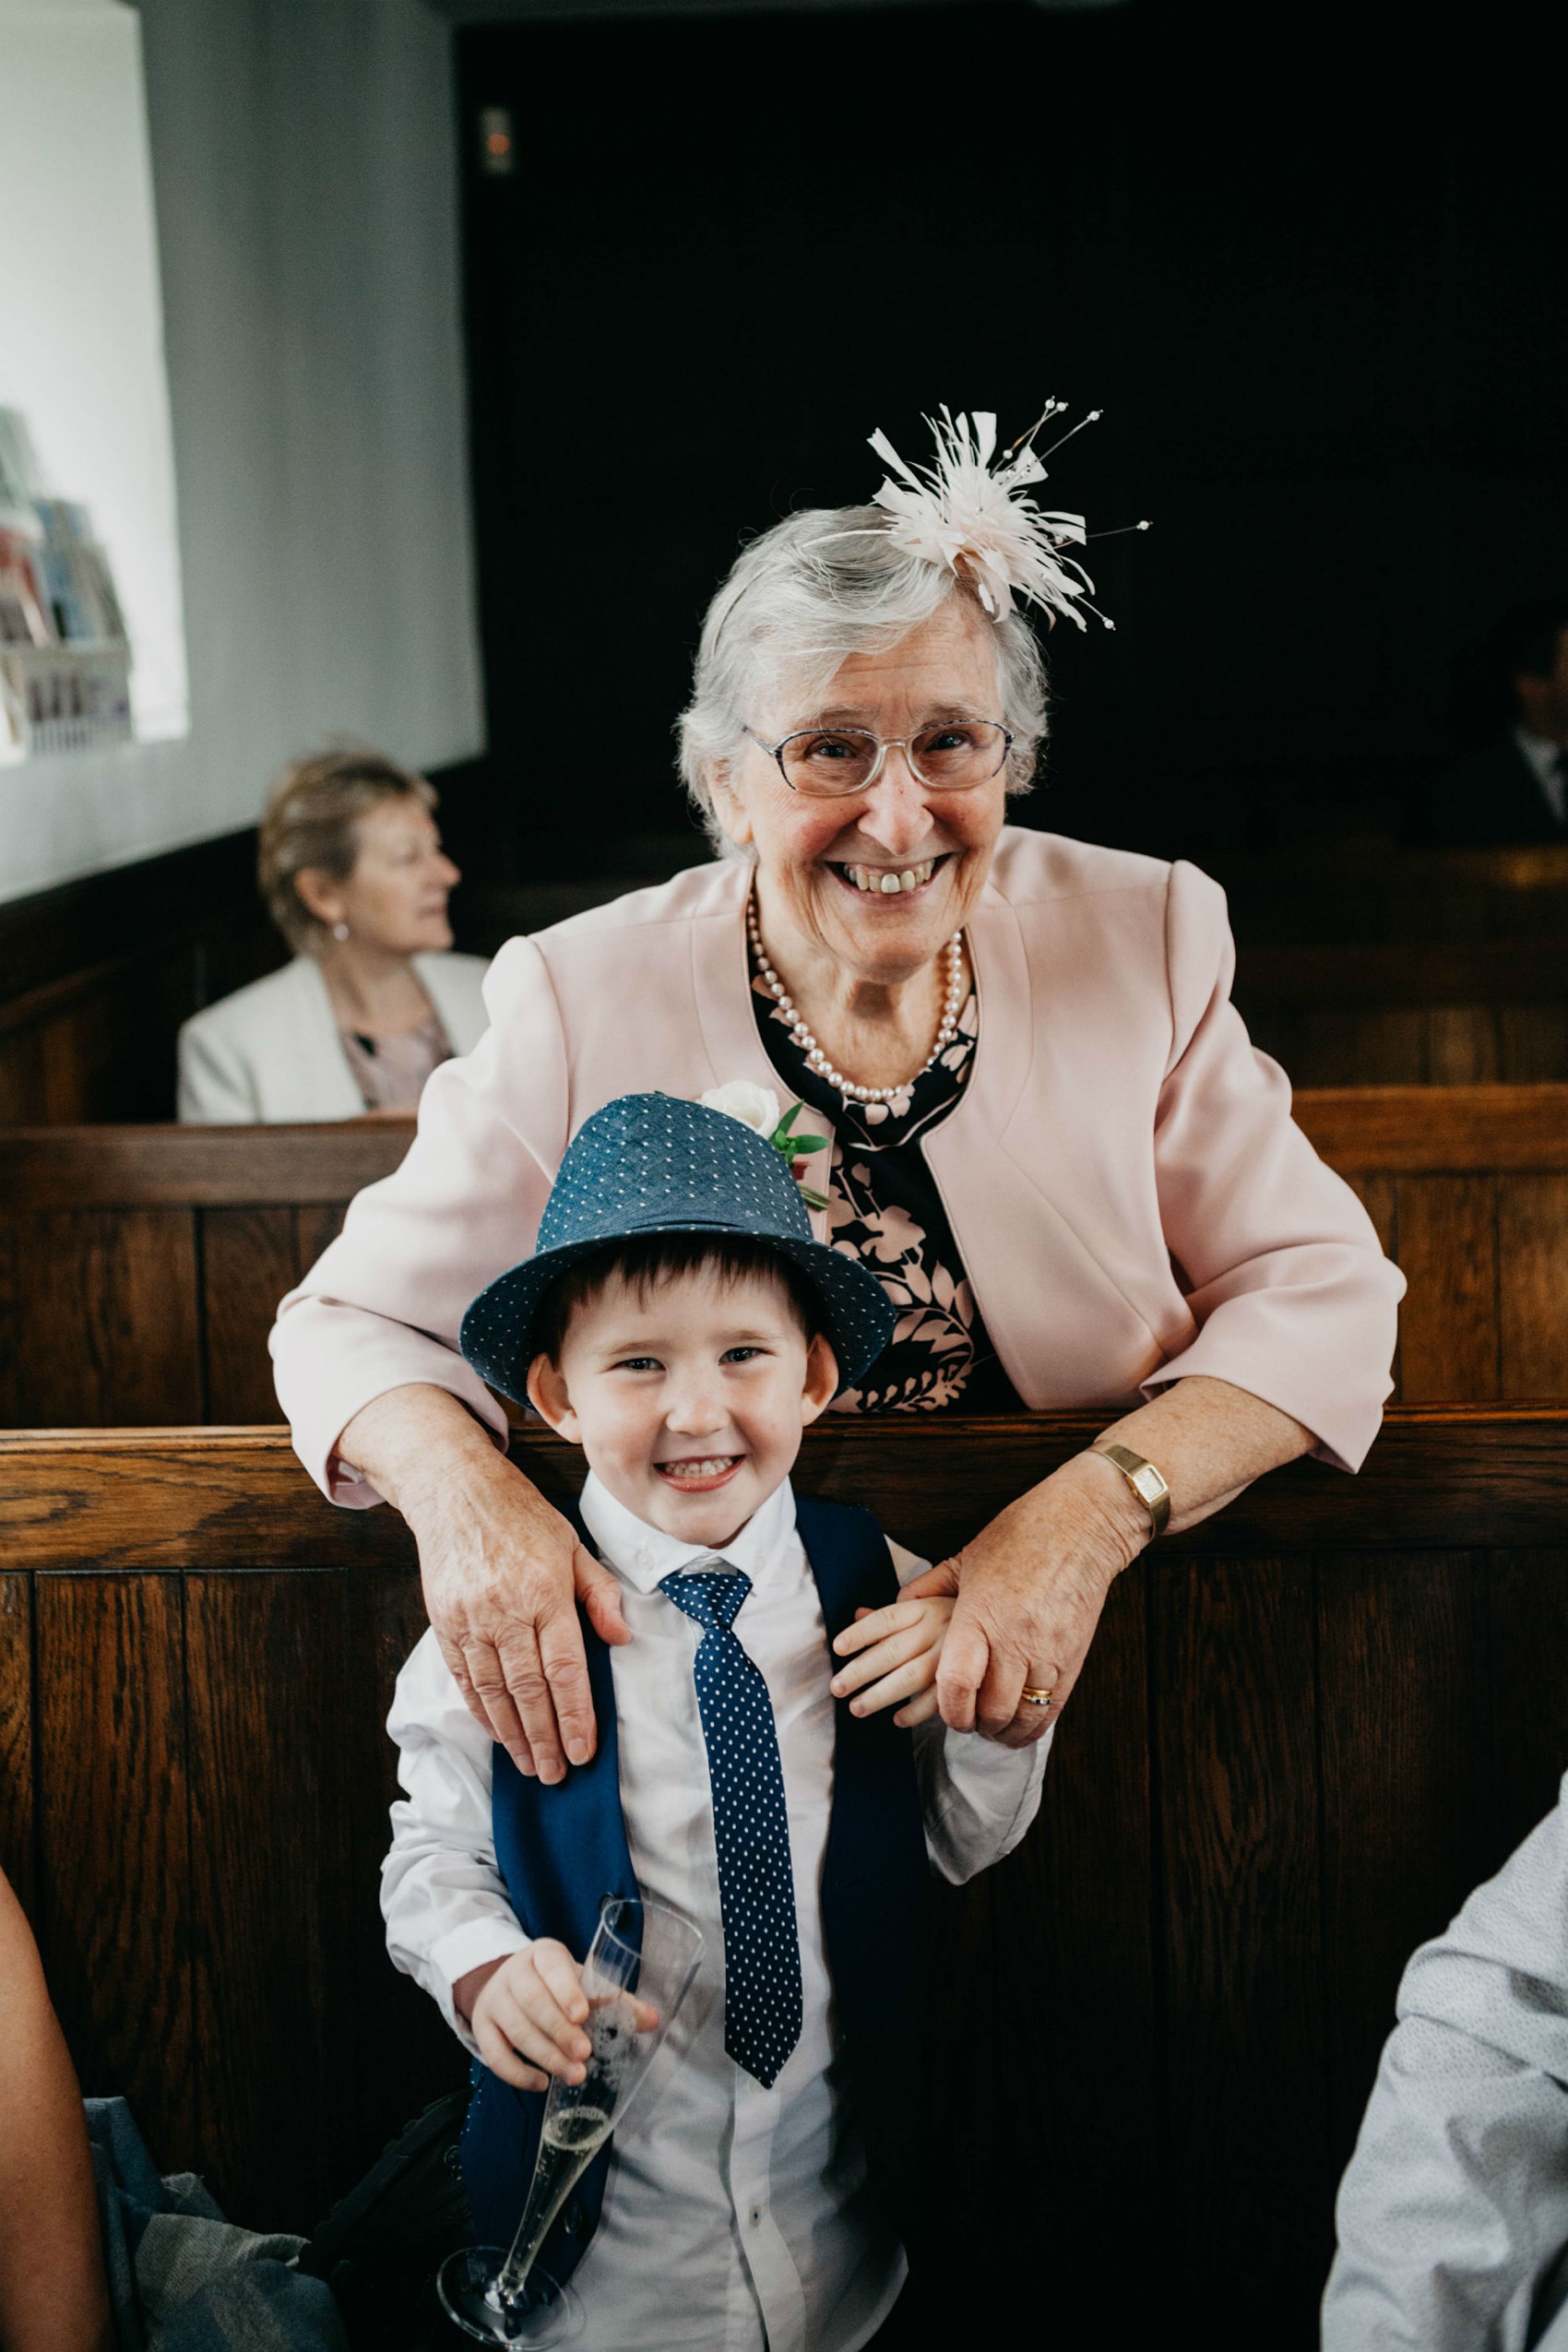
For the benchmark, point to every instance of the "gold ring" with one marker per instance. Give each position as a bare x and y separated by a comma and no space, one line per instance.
1035,1698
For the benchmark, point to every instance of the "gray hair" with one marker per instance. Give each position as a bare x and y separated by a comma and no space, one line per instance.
821,585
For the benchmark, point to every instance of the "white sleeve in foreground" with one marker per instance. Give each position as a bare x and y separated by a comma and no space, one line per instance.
1452,2216
442,1897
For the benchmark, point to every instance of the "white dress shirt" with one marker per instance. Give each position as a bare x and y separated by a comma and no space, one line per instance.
1453,2217
735,2216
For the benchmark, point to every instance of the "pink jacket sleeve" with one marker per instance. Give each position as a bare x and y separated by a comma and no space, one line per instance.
382,1307
1293,1297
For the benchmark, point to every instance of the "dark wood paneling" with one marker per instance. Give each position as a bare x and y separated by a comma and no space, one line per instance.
1523,1661
1532,1266
1448,1335
1432,1130
76,1167
1235,1759
249,1258
105,1323
270,1839
15,1732
1438,1475
385,1617
1400,1702
96,1283
114,1902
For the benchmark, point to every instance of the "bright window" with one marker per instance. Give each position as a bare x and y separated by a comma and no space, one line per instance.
81,339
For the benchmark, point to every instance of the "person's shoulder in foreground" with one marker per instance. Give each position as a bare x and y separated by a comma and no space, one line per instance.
1453,2217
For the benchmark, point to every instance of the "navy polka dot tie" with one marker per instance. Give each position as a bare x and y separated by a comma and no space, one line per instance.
751,1828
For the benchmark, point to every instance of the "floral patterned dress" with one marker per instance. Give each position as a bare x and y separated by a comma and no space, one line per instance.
883,1208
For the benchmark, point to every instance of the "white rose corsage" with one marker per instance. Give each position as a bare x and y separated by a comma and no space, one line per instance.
757,1108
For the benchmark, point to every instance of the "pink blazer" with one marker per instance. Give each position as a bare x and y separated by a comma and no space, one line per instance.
1131,1197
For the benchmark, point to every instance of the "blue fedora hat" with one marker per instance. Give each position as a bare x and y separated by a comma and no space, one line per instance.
650,1163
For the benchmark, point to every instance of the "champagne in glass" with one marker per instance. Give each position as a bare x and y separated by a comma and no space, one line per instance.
638,1971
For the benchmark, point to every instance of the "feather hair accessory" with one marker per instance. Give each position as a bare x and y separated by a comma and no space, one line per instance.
963,512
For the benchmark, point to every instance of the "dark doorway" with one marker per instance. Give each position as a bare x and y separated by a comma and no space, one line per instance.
1325,329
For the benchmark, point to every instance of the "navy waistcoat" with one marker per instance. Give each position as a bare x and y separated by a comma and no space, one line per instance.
563,1850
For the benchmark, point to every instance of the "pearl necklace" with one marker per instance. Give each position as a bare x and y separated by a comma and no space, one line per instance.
817,1060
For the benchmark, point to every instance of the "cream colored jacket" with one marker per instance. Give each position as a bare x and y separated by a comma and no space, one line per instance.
271,1053
1130,1195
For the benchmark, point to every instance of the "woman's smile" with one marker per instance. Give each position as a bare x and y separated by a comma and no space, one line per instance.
868,879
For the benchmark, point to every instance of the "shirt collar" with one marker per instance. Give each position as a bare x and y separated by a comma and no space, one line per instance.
642,1555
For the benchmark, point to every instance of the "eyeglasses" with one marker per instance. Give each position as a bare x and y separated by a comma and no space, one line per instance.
830,763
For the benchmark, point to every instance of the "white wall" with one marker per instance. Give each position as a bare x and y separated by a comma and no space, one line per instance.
81,328
305,185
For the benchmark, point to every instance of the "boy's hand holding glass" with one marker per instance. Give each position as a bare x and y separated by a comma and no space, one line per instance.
529,2016
895,1652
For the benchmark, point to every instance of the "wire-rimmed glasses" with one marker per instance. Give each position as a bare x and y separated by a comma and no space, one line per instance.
830,763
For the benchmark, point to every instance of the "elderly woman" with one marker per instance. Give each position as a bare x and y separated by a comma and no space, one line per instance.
352,872
1048,1131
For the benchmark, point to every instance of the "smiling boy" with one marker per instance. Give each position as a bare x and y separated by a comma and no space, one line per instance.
679,1323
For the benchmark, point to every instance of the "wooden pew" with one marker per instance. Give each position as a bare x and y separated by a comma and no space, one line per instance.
141,1268
1468,1187
1420,1012
1306,1729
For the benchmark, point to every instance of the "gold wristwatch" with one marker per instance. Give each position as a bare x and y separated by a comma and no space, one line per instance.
1144,1478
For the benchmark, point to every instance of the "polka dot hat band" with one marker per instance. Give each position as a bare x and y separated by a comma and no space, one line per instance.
651,1163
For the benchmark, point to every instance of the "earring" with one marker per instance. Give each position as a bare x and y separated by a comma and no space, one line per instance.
339,930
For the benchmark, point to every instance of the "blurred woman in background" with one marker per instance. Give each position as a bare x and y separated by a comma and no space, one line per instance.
352,871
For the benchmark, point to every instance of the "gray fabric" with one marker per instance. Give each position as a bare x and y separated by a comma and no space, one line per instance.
1452,2216
181,2278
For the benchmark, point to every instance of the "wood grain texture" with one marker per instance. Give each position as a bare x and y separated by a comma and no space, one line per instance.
192,1498
1050,1960
1403,1759
113,1908
167,1166
385,1618
1448,1322
249,1258
1525,1668
1532,1266
1457,1130
273,1899
1236,1771
105,1317
16,1734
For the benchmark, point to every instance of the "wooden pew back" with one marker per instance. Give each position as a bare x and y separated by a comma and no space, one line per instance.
141,1268
1306,1729
1468,1187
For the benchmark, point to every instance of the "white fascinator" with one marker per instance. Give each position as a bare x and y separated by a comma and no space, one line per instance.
974,516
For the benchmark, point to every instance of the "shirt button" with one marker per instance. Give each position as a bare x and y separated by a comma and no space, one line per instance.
756,2215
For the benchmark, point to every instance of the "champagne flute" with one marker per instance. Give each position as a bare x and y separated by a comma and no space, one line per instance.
639,1969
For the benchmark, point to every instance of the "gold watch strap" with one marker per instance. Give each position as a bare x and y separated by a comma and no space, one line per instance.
1143,1477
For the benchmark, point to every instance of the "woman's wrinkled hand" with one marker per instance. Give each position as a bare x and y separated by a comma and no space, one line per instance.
1029,1591
503,1574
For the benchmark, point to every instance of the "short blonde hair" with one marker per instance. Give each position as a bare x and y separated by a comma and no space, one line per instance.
311,819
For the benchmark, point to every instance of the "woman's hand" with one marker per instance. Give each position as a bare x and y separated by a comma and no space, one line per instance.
895,1652
1030,1589
1030,1586
503,1572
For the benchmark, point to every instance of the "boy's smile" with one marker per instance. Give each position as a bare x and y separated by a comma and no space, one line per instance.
688,1396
